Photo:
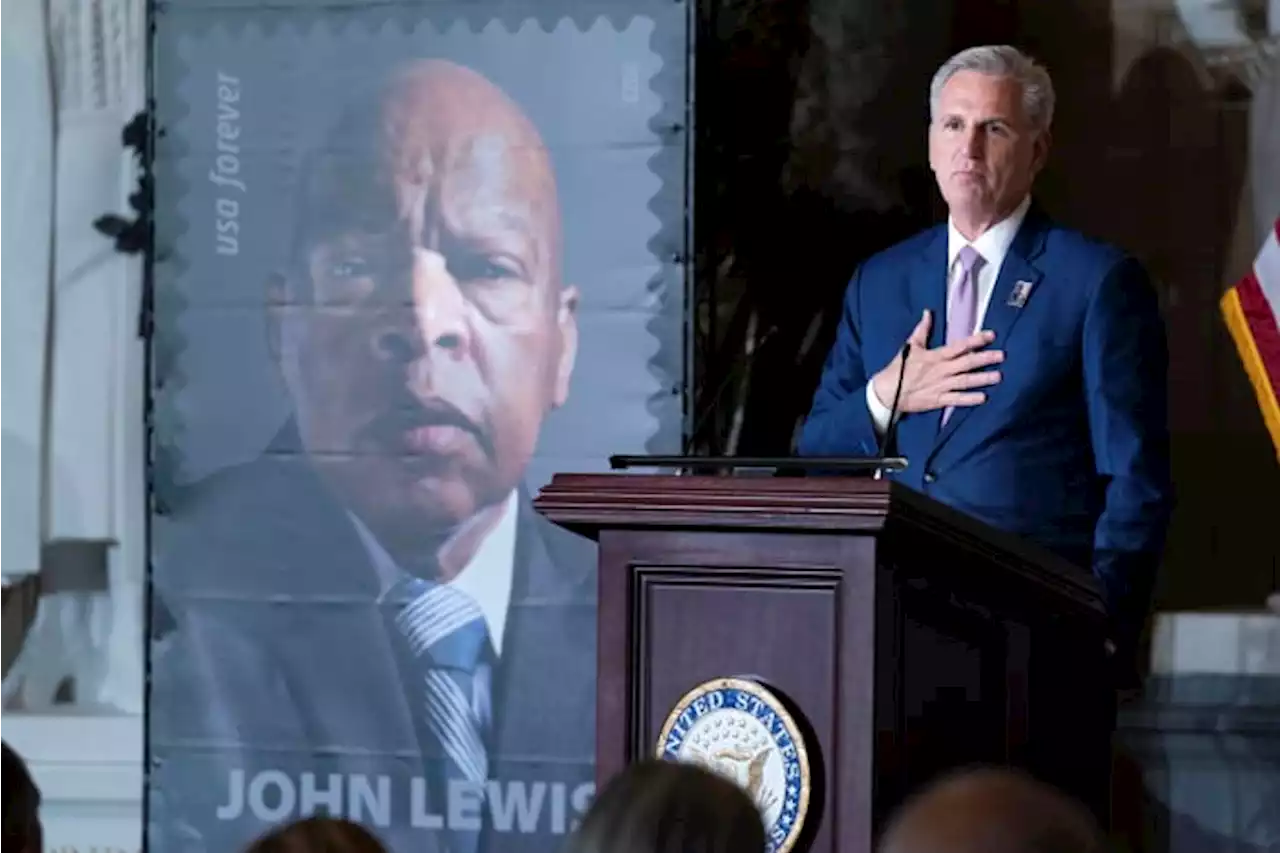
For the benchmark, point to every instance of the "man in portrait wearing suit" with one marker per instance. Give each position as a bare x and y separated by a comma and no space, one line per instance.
370,619
1034,391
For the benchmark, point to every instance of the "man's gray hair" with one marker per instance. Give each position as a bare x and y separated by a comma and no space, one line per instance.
1001,60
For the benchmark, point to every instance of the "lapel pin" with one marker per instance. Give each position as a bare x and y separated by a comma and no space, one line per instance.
1018,296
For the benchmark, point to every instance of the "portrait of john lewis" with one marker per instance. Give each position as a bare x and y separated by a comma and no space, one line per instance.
374,592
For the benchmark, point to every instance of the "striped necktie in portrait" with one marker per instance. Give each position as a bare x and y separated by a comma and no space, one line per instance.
449,640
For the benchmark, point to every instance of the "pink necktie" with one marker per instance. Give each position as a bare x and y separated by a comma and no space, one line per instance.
963,314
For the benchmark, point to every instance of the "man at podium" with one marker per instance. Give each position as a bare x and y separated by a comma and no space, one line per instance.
1019,366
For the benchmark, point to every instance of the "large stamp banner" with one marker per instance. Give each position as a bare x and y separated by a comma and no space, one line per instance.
411,260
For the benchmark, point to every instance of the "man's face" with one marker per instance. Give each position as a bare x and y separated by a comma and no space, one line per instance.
983,149
435,335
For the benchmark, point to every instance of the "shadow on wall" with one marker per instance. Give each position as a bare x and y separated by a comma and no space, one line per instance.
1181,157
1157,165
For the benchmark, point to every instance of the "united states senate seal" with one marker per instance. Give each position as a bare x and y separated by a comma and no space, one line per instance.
739,729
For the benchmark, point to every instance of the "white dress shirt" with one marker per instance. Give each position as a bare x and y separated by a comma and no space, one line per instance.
993,245
487,576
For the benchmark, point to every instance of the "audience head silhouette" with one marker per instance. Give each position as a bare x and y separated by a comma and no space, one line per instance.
22,830
992,811
667,807
318,835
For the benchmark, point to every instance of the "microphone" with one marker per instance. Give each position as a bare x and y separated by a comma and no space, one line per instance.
891,428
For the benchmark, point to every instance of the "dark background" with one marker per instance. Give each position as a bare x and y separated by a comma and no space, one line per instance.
811,155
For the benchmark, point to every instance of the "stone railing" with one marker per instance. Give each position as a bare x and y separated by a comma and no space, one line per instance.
1198,765
89,769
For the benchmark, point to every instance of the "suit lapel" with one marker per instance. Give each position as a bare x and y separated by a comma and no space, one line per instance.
927,283
547,655
544,701
927,286
1017,274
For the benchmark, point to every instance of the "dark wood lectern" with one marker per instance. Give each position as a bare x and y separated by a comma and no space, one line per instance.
910,638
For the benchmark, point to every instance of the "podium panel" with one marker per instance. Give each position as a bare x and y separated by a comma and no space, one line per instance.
680,609
903,638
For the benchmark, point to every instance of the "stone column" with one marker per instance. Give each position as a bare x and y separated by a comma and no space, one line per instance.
86,513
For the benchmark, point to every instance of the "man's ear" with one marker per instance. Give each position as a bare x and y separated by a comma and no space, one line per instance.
277,298
567,325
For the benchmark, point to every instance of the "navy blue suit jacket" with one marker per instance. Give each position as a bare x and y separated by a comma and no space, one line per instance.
1071,448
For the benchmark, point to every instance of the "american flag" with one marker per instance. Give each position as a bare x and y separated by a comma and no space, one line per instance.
1252,312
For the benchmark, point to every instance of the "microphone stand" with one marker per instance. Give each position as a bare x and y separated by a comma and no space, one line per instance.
891,428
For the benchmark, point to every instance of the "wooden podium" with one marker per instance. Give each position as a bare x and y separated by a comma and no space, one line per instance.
909,638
